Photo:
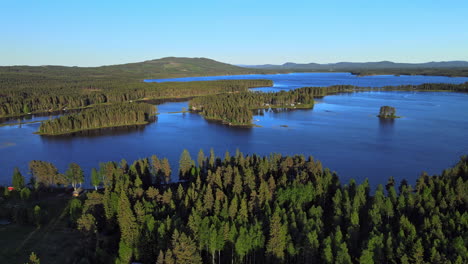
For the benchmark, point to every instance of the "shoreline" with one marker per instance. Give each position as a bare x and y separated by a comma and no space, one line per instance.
68,133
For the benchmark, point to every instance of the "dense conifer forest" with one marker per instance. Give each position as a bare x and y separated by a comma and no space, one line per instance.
121,114
236,108
30,94
249,209
28,89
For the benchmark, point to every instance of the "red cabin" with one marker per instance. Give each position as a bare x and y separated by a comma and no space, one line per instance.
11,188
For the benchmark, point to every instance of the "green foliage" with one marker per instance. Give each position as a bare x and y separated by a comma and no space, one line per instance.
87,223
25,193
387,112
74,175
127,222
34,259
75,208
96,178
236,108
185,164
37,215
17,180
46,89
450,72
278,237
291,210
45,174
184,249
123,114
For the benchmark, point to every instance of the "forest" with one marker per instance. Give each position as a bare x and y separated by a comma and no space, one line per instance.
236,108
248,209
102,116
22,94
449,72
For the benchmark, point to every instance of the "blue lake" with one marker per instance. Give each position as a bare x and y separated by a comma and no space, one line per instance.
342,131
297,80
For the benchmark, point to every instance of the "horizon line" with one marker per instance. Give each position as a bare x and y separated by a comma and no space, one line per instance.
234,64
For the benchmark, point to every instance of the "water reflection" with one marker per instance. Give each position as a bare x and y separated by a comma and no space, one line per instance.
108,131
386,125
244,130
167,100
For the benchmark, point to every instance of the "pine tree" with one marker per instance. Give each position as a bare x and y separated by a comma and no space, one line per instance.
18,179
201,158
166,170
160,259
237,188
169,258
243,211
227,157
277,242
185,163
128,226
208,199
184,249
242,243
343,257
233,207
212,158
327,251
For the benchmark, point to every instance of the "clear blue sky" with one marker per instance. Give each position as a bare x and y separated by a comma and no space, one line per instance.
90,33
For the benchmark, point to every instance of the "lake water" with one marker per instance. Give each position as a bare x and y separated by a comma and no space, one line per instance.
342,131
297,80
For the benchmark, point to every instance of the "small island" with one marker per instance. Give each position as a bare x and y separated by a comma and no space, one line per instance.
103,116
387,112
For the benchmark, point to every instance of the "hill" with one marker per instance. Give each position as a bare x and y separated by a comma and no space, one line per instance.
444,68
180,67
362,65
158,68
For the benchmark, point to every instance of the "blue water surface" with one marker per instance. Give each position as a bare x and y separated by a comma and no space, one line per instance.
296,80
342,131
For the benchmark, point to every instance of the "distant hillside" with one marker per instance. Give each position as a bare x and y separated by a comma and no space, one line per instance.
444,68
174,66
159,68
360,65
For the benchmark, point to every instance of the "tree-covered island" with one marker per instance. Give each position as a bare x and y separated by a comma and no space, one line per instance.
387,112
103,116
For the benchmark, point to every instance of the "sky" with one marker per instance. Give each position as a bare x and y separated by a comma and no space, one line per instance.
93,33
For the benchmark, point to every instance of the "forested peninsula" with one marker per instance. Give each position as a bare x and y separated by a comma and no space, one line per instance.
28,89
443,68
239,209
42,96
236,109
103,116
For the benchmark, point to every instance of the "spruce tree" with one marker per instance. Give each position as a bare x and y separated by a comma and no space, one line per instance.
18,179
185,163
277,239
